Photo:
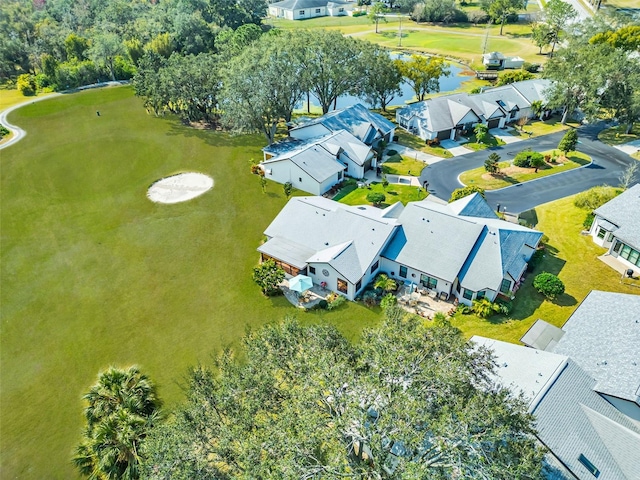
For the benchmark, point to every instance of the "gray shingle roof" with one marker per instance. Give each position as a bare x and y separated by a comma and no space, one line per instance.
571,418
348,238
603,336
357,120
624,211
299,4
533,90
432,241
473,206
316,161
440,113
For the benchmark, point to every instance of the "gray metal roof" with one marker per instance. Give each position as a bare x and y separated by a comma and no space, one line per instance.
357,120
624,211
571,418
603,336
433,241
542,335
348,238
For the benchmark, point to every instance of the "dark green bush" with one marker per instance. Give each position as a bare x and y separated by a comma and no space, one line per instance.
548,285
531,67
323,304
588,220
391,152
527,158
505,307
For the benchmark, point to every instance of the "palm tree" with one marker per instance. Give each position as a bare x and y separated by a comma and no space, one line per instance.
122,407
385,283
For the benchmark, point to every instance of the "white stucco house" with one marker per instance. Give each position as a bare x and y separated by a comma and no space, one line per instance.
461,249
448,116
499,61
301,9
617,227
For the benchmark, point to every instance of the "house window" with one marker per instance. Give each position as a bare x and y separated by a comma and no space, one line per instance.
301,12
505,285
617,247
300,179
341,9
403,272
610,237
340,177
589,466
601,232
312,270
480,294
375,266
317,10
630,254
358,285
468,294
428,281
342,285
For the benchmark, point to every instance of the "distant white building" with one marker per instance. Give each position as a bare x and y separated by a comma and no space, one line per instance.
301,9
498,61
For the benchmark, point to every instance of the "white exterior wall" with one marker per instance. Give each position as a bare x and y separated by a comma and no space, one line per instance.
299,14
605,242
353,169
393,270
332,279
335,11
469,118
286,171
309,131
489,294
626,407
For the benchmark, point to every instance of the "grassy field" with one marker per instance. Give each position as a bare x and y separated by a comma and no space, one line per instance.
402,165
352,195
571,256
473,144
95,274
8,98
481,178
412,141
617,135
464,41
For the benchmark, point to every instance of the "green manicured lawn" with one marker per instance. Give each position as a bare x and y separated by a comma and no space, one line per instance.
95,274
352,195
481,178
402,165
573,257
412,141
617,135
539,127
473,144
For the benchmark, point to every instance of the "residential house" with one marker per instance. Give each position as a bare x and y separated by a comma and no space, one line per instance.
603,337
498,61
448,116
587,437
367,126
461,249
617,227
301,9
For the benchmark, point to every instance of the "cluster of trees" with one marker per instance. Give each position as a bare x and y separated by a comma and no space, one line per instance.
256,79
597,72
407,401
63,44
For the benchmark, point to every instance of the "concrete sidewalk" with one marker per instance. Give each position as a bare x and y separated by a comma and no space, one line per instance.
370,176
504,135
455,148
629,148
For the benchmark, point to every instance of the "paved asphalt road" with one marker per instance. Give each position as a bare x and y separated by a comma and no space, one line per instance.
608,164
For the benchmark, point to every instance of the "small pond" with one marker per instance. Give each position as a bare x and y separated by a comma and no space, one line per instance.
447,84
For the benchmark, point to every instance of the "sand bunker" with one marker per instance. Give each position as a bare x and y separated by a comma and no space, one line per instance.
179,188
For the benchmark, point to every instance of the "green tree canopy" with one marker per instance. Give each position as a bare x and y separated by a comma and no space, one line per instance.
268,276
423,73
499,10
121,408
459,193
407,401
376,198
557,15
548,285
491,163
381,77
569,141
376,13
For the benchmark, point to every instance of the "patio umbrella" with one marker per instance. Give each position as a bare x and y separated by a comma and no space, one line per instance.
300,283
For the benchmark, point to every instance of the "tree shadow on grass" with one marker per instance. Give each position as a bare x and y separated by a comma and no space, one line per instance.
530,217
506,178
215,138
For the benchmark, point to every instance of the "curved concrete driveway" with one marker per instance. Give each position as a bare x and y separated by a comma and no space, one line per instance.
608,164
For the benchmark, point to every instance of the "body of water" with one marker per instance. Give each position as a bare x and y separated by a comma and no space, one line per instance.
447,84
